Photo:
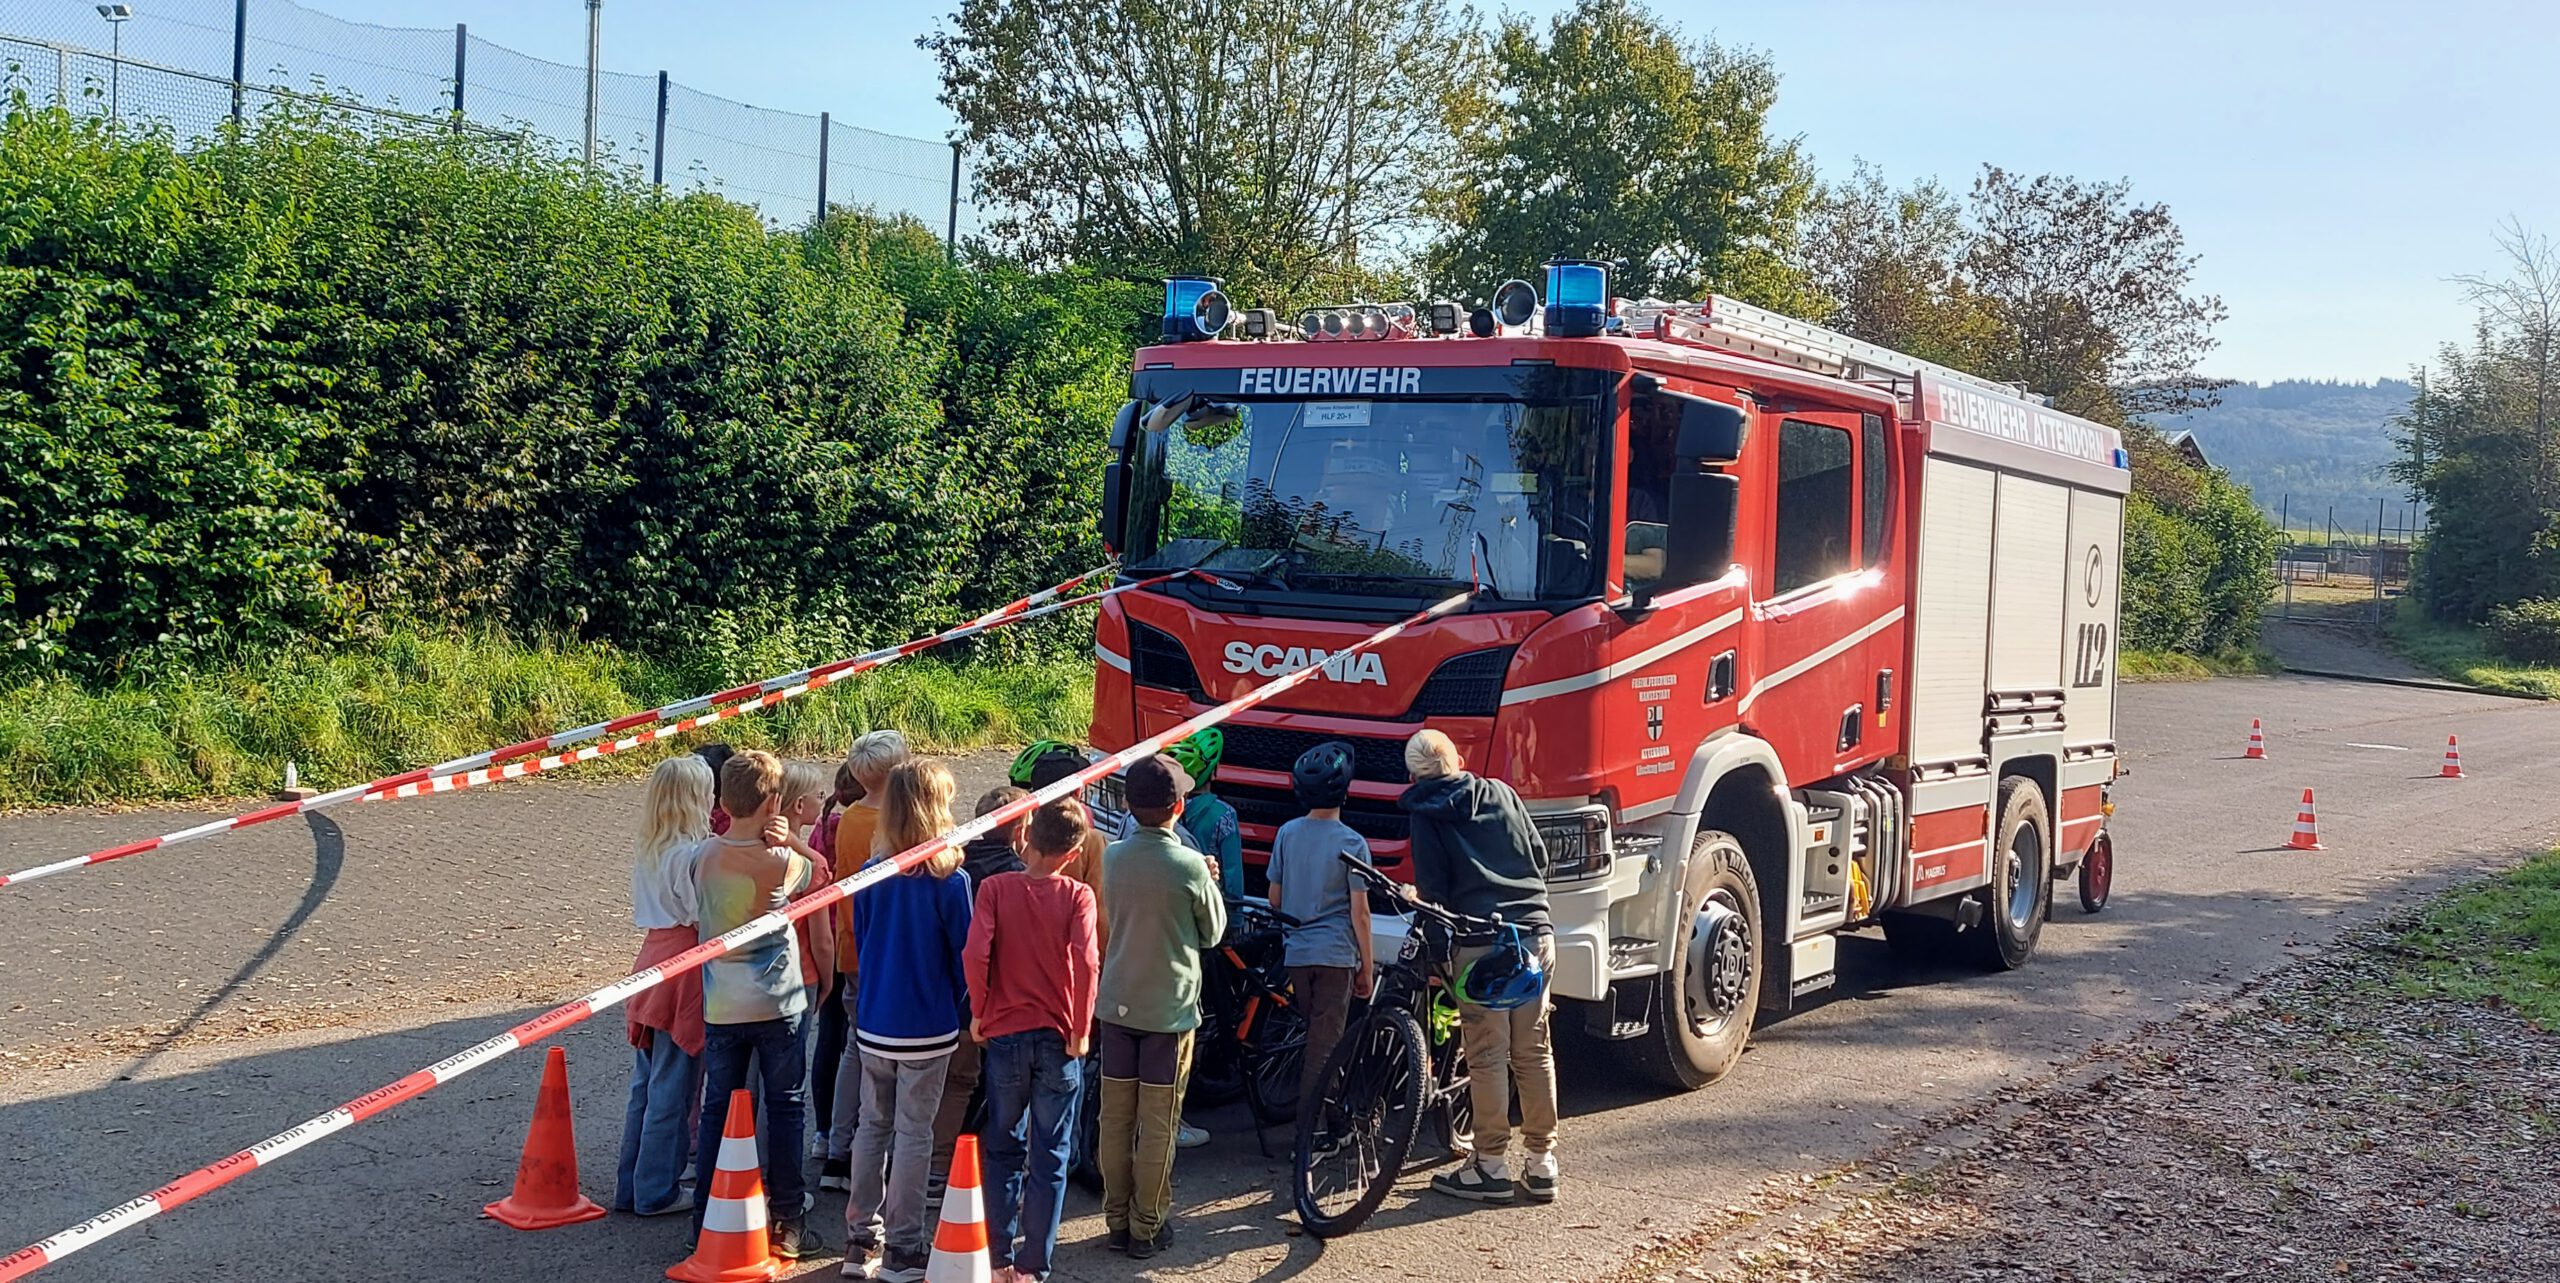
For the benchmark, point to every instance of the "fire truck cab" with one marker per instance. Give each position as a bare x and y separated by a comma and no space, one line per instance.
1780,634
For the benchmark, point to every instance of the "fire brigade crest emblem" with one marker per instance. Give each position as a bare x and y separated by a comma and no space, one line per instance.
1653,721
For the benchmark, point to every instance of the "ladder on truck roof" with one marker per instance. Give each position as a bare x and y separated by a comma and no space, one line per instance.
1738,327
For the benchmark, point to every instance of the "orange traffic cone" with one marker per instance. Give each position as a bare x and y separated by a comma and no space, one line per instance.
960,1241
2257,742
2306,828
546,1194
2452,761
733,1246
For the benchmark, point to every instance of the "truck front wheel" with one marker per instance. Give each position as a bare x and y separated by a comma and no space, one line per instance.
1705,1002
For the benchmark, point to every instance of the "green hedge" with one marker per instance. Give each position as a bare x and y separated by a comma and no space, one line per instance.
255,391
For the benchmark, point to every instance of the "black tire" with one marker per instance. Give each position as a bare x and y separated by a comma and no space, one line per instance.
1922,938
2097,873
1084,1159
1278,1062
2021,891
1699,1028
1368,1106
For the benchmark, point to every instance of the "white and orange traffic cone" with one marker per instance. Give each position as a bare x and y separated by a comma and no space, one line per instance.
546,1194
2452,761
733,1246
2306,827
2257,742
960,1241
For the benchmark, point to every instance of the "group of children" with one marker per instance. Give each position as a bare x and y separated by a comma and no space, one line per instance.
1027,961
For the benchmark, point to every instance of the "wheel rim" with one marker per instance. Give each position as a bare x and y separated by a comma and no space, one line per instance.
2026,873
1719,979
2098,870
1346,1157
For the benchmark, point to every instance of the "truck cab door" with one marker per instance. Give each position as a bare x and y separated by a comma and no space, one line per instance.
1828,613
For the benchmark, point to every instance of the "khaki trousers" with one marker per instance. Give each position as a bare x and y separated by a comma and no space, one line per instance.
1509,1052
1143,1075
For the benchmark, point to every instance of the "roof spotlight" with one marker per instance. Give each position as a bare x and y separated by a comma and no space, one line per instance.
1444,317
1310,323
1333,324
1211,314
1480,323
1259,322
1515,303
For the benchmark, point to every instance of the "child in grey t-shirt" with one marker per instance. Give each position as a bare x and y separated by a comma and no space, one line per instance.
1328,950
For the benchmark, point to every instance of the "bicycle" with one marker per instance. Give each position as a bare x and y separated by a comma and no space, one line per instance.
1251,1042
1399,1063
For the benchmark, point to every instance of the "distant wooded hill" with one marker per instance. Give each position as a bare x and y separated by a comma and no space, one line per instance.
2324,443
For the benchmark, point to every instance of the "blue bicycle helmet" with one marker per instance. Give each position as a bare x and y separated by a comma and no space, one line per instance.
1507,977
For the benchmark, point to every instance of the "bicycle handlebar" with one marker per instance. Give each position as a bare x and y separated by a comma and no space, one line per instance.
1251,908
1369,873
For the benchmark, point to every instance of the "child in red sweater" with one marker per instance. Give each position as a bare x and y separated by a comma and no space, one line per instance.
1032,964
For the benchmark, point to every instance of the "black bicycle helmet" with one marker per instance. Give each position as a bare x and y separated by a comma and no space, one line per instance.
1322,775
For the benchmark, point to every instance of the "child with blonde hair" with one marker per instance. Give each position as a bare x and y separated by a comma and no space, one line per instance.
664,1023
909,932
848,844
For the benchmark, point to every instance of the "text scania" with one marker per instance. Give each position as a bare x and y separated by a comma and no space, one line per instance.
1324,380
1271,661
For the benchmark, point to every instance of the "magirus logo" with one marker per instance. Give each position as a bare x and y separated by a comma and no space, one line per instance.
1271,661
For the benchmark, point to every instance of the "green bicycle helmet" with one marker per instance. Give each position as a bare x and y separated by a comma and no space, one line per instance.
1200,754
1029,758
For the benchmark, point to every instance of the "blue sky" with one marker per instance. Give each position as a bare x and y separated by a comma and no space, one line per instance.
2333,163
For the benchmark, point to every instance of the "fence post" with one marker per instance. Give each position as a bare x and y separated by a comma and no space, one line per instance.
823,131
658,148
239,58
61,78
461,70
595,85
951,222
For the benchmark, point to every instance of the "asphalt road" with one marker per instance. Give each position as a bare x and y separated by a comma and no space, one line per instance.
161,1012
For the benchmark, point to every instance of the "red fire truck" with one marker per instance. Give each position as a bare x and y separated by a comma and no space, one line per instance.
1780,634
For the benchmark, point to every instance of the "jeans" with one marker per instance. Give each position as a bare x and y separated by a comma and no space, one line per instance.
780,1053
663,1081
1032,1088
891,1148
1507,1050
826,1062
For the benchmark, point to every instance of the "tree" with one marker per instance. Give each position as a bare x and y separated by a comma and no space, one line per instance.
1274,143
2523,309
1888,265
1609,137
2092,291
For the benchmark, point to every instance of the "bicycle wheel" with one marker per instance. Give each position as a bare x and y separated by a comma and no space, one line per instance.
1354,1137
1276,1064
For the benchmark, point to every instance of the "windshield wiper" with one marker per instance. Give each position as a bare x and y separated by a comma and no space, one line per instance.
1379,577
1484,549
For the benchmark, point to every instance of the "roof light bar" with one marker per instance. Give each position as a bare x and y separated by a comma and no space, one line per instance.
1357,322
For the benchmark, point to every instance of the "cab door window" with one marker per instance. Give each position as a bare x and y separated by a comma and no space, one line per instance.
1653,428
1817,509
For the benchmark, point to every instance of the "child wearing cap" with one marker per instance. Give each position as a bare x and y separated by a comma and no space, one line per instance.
1163,908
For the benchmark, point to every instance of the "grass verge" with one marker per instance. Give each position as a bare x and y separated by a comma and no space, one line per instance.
2179,666
2496,941
396,702
2463,654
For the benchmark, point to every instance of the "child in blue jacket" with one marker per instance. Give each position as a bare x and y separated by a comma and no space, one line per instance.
909,932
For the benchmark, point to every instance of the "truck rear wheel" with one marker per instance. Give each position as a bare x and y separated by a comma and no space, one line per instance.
1705,1003
2021,889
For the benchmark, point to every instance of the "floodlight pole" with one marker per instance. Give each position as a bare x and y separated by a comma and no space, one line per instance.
595,57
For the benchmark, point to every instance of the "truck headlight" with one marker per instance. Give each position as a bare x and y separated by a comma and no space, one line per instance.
1577,843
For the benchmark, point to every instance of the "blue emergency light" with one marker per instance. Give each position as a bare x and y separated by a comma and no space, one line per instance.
1577,298
1194,308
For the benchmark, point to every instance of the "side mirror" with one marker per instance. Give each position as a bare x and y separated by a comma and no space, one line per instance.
1704,509
1114,516
1710,431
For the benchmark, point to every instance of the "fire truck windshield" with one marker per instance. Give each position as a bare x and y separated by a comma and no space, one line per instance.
1375,497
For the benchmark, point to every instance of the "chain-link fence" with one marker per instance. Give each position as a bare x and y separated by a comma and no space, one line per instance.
189,65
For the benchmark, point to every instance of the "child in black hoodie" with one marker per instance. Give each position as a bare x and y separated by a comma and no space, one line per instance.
1476,852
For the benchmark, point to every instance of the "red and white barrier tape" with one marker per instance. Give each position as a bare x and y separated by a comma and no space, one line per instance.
35,1256
738,699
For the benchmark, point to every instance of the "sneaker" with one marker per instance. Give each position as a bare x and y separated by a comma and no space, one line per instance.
1001,1274
903,1267
1142,1248
861,1260
817,1144
1538,1181
836,1174
1189,1137
793,1239
683,1203
1118,1240
934,1185
1474,1183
